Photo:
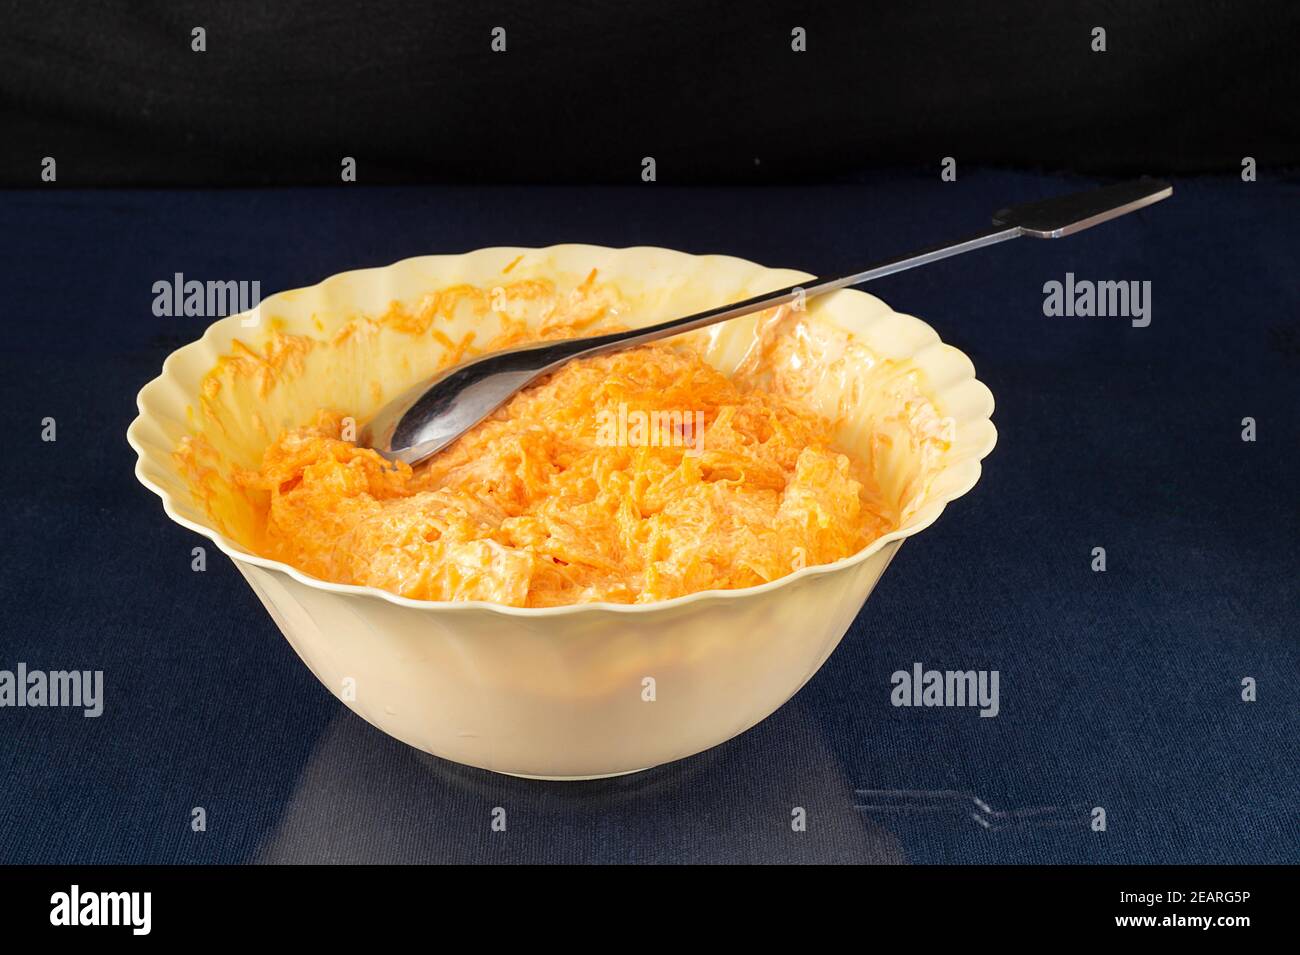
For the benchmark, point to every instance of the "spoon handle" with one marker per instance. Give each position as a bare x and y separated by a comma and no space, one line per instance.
1048,219
430,416
804,290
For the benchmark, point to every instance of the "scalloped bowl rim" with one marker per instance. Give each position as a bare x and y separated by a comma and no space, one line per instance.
931,510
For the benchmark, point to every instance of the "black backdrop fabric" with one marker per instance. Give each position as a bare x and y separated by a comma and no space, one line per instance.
586,89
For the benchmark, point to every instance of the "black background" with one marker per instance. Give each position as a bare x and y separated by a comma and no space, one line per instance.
225,903
586,89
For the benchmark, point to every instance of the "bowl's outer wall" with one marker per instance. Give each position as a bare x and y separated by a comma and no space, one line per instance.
560,692
611,693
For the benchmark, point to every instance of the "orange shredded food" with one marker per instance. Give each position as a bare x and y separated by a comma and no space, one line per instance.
561,498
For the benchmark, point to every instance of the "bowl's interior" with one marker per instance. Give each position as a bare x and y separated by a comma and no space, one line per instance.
904,402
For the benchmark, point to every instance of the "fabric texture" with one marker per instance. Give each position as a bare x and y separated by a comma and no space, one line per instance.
1120,690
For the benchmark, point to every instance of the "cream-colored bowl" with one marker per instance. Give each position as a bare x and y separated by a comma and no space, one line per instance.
591,689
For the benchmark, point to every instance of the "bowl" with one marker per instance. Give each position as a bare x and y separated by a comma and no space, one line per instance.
578,691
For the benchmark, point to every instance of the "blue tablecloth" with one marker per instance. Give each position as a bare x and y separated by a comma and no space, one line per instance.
1120,690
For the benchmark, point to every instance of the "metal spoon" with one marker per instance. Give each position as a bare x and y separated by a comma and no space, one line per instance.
435,413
